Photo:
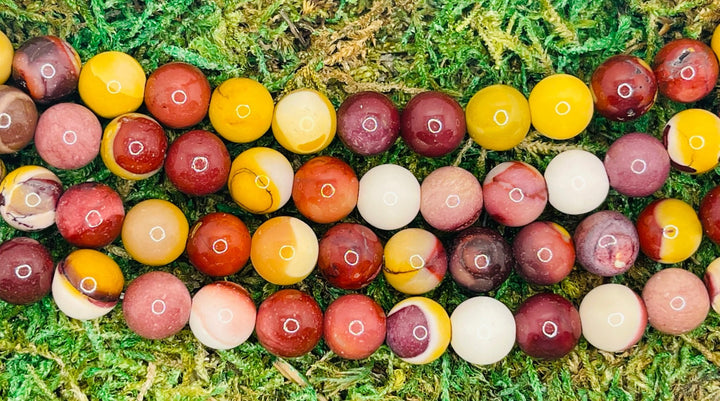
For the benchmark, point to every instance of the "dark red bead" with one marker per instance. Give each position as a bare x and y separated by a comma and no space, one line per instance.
198,163
289,323
710,214
351,256
686,70
368,123
481,259
548,326
623,88
432,124
26,271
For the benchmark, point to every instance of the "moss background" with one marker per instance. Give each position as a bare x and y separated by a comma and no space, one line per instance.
399,48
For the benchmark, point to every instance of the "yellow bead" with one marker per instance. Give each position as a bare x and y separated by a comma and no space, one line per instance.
415,261
498,117
561,106
715,42
241,110
692,138
261,180
6,58
284,250
304,121
154,232
112,83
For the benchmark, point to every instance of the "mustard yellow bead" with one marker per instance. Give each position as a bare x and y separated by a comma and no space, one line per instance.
561,106
241,110
112,83
284,250
498,117
304,121
154,232
261,180
692,138
6,58
715,42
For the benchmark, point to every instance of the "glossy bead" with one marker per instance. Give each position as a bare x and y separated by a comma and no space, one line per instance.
686,70
714,43
198,163
692,139
219,244
90,215
613,317
156,305
289,323
368,123
669,231
676,300
354,326
515,193
561,106
261,180
498,117
18,119
112,83
544,252
418,330
432,124
241,110
222,315
415,261
325,189
284,250
68,136
87,284
154,232
6,57
548,326
28,198
178,95
350,256
606,243
712,282
576,182
710,214
480,259
47,67
133,146
389,197
26,271
451,198
637,164
304,121
483,330
623,88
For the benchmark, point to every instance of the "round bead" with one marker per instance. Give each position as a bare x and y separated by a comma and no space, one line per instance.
544,252
219,244
133,146
576,182
241,110
90,215
515,193
548,326
6,57
498,117
47,67
368,123
418,330
87,284
222,315
483,330
354,326
451,198
350,256
178,95
261,180
637,164
28,198
613,317
18,119
606,243
561,106
304,121
325,189
686,70
415,261
677,301
692,139
710,214
26,271
154,232
156,305
284,250
68,136
432,124
289,323
389,197
198,163
712,282
623,88
669,231
480,260
112,83
714,43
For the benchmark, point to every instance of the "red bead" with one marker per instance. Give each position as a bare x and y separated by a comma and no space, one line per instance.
710,214
481,259
47,67
432,124
354,326
289,323
686,70
26,271
544,253
350,257
325,189
623,88
548,326
178,95
198,163
368,123
219,244
90,215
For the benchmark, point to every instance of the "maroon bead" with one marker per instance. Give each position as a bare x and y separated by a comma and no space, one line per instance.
18,119
47,67
606,243
178,95
544,253
350,256
432,124
686,70
623,88
480,259
198,163
637,164
26,271
710,214
368,123
548,326
219,244
354,326
400,326
90,215
289,323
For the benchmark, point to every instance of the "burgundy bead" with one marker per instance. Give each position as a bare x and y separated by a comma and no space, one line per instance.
480,259
548,326
47,67
90,215
710,214
26,271
368,123
289,323
623,88
432,124
686,70
350,256
198,163
606,243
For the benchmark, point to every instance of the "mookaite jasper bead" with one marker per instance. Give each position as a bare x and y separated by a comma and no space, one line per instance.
368,123
261,180
712,282
28,198
350,256
515,193
561,106
156,305
26,271
676,300
325,189
219,244
576,182
178,95
68,136
18,119
623,88
415,261
710,214
432,124
669,231
548,326
354,326
133,146
90,215
613,317
6,57
389,197
284,250
289,323
418,330
686,70
47,67
198,163
483,330
692,139
606,243
637,164
112,83
451,198
498,117
241,110
304,121
544,253
480,259
154,232
222,315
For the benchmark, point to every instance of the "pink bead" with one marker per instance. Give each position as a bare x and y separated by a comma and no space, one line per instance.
450,198
515,193
68,136
156,305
